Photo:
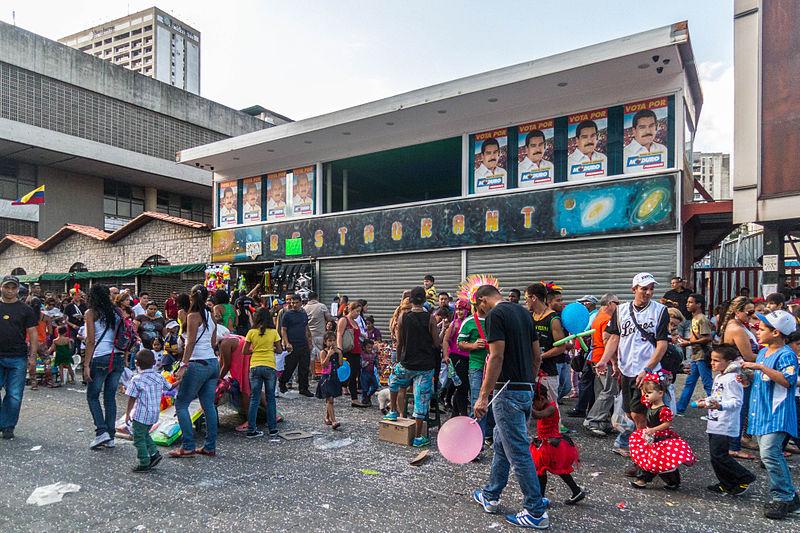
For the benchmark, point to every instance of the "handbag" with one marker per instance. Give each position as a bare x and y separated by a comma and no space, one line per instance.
348,340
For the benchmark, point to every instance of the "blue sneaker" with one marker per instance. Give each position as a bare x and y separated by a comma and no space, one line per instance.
546,502
391,416
489,506
526,519
420,442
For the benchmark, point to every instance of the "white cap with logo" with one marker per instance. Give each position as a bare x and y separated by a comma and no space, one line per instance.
643,279
780,320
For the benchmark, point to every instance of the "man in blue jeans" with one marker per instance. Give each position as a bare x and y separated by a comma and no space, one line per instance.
513,362
699,342
16,320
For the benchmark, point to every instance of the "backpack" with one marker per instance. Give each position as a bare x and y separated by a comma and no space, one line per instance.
124,334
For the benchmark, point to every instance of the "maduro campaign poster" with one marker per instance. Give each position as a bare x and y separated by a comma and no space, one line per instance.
535,147
251,206
303,191
489,161
227,203
276,195
645,131
587,142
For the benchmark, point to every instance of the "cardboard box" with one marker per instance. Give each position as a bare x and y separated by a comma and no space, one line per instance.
400,432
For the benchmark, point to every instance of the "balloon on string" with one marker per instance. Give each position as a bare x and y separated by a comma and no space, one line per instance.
460,439
575,317
343,371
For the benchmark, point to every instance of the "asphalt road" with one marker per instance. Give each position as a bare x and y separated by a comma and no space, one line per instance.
308,486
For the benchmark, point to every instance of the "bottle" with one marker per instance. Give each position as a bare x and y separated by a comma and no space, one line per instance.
451,371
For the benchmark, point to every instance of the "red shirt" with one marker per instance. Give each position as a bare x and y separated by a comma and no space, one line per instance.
171,308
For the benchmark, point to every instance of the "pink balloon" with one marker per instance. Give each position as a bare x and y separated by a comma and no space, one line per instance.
460,439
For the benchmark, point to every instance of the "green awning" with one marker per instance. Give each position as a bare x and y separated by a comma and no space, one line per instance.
123,273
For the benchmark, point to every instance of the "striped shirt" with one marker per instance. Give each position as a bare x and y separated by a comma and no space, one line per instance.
772,406
147,387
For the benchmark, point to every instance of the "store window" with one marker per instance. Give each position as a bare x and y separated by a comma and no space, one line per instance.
78,267
19,271
155,260
12,185
188,207
121,203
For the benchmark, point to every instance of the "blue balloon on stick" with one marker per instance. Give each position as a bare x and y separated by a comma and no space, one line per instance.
575,318
343,371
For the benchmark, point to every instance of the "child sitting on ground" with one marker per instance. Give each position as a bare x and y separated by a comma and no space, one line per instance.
551,451
369,383
656,449
144,401
62,347
724,408
329,386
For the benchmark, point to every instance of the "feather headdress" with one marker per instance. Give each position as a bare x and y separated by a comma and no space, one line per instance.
468,287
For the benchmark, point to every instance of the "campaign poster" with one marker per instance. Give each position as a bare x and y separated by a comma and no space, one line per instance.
645,135
490,156
535,145
276,195
303,191
251,204
587,143
228,191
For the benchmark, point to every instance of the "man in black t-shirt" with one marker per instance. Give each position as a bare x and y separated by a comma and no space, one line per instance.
17,320
677,296
74,312
297,338
512,364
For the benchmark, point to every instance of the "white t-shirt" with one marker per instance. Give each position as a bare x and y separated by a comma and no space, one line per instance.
635,350
729,393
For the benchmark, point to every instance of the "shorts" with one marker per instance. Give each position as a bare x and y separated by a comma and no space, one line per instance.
631,396
402,377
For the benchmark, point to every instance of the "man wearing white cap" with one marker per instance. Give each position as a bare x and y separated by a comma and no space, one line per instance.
638,333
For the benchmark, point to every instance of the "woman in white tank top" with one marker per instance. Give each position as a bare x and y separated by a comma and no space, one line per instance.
199,373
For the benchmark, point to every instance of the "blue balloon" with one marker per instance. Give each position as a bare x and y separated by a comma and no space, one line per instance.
575,318
343,371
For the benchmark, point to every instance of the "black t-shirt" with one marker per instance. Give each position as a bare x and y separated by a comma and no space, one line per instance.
15,319
513,324
295,323
75,313
544,331
678,299
418,350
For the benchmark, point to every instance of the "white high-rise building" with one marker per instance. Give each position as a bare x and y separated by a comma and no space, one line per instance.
150,42
713,171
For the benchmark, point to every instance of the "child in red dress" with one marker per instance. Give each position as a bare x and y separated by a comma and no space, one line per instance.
656,449
551,451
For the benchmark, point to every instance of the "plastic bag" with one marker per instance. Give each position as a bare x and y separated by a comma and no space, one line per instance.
280,360
619,420
51,493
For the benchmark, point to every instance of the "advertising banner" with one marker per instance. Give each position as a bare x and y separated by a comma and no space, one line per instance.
535,145
303,191
276,196
228,192
251,200
618,208
490,161
646,132
587,143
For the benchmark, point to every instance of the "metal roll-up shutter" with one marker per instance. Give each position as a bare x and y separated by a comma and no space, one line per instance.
581,267
381,280
160,287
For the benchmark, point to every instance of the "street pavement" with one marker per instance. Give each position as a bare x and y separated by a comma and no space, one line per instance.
312,485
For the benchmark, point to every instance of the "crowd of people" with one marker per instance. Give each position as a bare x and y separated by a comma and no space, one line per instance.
504,359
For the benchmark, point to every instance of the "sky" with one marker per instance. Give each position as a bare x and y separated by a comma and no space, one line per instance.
308,57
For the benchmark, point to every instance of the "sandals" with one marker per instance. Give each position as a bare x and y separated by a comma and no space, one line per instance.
335,425
741,454
328,422
180,453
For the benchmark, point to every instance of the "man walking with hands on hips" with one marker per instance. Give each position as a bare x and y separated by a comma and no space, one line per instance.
513,363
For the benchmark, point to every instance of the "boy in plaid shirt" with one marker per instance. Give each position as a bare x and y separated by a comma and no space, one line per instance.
144,401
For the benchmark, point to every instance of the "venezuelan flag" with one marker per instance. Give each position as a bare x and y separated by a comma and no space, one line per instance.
35,197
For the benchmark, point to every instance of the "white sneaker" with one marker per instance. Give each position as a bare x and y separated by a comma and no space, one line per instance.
110,444
99,441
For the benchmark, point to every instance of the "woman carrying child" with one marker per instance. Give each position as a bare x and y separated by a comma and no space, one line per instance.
657,450
329,386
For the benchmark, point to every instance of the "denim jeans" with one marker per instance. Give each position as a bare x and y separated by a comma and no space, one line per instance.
107,382
369,384
700,370
780,479
475,381
512,448
262,377
199,381
564,380
402,378
12,378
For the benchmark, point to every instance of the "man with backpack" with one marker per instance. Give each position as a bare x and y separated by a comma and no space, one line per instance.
638,336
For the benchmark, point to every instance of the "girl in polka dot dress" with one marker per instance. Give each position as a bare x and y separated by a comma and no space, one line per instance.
656,449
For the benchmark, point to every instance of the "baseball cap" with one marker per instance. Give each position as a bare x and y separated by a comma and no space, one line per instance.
643,279
172,324
10,279
780,320
588,299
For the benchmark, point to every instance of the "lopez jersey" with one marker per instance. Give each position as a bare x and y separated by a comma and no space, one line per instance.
634,349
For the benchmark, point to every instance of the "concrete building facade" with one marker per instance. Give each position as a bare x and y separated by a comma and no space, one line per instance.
150,42
713,171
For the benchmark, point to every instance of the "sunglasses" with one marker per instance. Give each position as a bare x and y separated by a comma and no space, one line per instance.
751,313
